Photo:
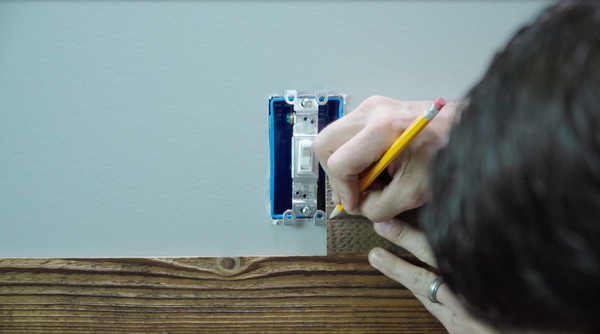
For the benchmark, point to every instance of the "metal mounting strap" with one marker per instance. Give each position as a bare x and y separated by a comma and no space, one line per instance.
305,166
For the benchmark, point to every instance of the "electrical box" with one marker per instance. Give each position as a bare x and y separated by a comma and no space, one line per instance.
297,182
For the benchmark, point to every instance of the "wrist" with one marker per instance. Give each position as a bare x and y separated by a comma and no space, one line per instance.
453,109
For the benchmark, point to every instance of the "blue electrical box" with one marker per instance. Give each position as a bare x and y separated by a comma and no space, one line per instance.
297,181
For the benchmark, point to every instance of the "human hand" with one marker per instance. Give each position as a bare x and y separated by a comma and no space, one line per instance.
347,148
449,311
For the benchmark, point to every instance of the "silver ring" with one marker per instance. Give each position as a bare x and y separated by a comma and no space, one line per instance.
433,288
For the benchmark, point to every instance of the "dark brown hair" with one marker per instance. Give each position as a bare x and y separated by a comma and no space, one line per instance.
514,215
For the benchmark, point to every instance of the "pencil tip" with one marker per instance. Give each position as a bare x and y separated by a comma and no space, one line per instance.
335,213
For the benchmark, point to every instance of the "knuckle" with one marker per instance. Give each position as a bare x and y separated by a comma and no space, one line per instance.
425,253
400,234
381,125
374,211
417,280
414,202
375,215
336,168
456,324
386,124
321,149
414,192
372,102
318,143
393,269
394,123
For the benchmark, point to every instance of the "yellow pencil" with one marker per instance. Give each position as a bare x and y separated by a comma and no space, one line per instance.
400,144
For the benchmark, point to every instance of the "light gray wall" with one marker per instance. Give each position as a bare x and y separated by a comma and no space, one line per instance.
140,128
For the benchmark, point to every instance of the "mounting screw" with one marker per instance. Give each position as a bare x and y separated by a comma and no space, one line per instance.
305,210
306,103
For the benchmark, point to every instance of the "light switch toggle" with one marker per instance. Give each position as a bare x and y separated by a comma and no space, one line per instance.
306,157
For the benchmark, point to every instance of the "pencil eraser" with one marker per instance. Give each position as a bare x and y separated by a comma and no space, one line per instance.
439,103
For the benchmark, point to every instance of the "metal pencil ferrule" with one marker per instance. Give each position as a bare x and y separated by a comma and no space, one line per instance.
430,113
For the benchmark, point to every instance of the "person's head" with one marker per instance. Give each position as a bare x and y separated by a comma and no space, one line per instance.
514,214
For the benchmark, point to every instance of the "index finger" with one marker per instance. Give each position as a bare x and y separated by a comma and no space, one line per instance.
332,138
357,154
417,280
407,237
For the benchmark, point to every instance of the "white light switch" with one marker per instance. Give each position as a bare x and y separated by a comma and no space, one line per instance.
305,158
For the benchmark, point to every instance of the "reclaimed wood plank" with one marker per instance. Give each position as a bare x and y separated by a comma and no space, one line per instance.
313,294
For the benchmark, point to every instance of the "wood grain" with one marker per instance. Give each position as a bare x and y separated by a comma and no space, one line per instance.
341,294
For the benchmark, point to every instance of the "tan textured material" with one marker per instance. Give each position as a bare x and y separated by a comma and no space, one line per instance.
348,235
354,235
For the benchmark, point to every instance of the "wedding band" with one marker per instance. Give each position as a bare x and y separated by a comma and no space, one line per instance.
433,288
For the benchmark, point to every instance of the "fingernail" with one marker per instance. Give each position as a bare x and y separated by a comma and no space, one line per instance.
344,205
334,198
376,259
383,227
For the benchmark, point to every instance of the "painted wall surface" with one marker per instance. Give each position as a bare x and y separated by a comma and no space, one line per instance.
140,128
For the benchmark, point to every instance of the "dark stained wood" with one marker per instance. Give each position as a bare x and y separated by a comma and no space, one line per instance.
341,294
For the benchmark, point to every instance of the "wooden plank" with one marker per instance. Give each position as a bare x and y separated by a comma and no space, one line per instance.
341,294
